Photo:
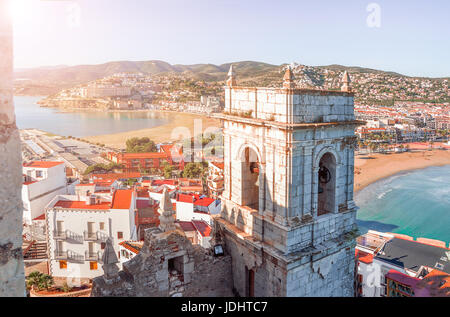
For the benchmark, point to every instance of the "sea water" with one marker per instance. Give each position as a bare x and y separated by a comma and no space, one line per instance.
415,203
79,124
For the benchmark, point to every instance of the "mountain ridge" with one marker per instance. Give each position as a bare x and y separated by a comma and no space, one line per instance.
207,71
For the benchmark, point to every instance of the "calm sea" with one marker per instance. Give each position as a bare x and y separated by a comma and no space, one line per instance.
416,203
79,124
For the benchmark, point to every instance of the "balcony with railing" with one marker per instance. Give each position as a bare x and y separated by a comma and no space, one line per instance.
90,236
98,236
60,235
92,256
61,255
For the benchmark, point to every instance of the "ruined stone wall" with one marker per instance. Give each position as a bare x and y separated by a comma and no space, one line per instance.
148,273
12,280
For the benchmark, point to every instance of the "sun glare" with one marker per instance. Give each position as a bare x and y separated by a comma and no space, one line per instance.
20,10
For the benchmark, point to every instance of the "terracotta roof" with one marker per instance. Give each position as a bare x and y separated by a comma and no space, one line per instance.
202,227
144,155
195,199
186,225
206,201
41,217
402,278
42,164
30,182
363,257
142,203
122,199
218,165
115,176
133,246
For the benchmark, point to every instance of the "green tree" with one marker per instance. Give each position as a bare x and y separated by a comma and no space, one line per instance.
194,170
100,167
167,170
140,145
39,280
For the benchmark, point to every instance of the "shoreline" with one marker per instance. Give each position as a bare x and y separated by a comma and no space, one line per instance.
181,125
370,169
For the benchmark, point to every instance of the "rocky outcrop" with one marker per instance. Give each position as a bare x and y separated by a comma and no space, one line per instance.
12,277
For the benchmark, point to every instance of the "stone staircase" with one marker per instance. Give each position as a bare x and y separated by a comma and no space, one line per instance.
35,251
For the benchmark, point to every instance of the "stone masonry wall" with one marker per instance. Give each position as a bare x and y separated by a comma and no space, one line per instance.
294,106
12,279
148,274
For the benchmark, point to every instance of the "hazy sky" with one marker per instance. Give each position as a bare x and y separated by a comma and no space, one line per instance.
413,37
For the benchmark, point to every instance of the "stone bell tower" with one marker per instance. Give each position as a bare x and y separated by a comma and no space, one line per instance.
288,216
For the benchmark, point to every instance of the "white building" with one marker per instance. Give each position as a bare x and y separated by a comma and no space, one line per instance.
42,182
129,249
379,255
196,207
96,91
197,231
78,227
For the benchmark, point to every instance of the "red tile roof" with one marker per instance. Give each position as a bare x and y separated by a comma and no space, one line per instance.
187,225
122,199
195,199
143,155
41,217
132,246
363,257
402,278
206,201
115,176
202,227
142,203
218,165
30,182
42,164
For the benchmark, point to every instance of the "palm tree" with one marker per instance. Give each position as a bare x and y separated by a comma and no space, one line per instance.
39,281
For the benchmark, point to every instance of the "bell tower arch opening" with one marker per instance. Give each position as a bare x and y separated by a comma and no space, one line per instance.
326,176
250,170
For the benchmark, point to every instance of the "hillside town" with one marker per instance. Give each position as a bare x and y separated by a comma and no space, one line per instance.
138,91
78,197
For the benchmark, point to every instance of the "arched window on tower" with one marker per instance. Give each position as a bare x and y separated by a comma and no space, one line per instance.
250,179
327,184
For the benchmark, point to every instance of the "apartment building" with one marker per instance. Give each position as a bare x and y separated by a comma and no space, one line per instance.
392,265
78,227
143,161
42,181
197,231
196,207
96,91
215,179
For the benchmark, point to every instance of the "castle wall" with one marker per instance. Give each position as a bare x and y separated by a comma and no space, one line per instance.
12,279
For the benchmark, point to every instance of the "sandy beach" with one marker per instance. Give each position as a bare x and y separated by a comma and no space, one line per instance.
368,168
371,168
176,129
